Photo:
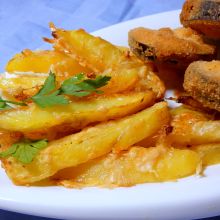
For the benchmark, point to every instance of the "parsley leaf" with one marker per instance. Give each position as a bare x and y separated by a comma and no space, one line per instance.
49,85
99,81
48,96
80,86
4,104
24,152
50,100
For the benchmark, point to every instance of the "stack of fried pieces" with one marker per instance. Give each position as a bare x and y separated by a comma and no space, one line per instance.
89,113
192,48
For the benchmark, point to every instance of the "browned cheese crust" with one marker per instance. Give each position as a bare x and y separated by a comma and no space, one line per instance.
179,47
202,82
203,16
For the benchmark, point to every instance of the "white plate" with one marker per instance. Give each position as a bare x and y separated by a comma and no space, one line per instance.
192,197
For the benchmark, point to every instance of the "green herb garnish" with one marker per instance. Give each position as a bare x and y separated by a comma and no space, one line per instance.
25,151
4,104
80,86
49,95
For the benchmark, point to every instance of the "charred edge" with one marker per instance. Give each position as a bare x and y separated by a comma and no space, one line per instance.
145,52
48,40
183,99
172,61
148,51
54,34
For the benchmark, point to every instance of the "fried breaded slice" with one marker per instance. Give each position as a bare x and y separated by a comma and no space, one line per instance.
202,82
203,16
180,46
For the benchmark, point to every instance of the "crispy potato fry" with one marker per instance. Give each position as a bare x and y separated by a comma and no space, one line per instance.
94,52
78,114
185,113
138,165
88,144
23,82
154,139
21,87
42,61
101,56
210,153
191,127
203,132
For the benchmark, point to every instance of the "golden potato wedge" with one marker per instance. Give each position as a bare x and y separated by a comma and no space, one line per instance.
154,139
103,57
209,153
138,165
191,127
77,114
91,51
23,82
42,61
88,144
21,87
200,133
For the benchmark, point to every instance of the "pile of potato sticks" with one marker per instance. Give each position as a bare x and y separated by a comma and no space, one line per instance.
122,137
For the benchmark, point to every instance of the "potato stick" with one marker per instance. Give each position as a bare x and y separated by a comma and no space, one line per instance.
191,127
210,153
95,52
78,113
23,87
23,82
88,144
138,165
103,57
197,133
42,61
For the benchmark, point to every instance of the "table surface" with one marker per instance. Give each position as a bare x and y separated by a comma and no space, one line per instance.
24,22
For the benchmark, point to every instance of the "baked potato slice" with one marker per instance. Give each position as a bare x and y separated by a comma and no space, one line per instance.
209,153
77,114
190,127
104,58
137,165
21,87
88,144
42,61
25,86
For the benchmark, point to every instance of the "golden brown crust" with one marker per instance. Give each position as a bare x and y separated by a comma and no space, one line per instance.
180,46
203,16
202,82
